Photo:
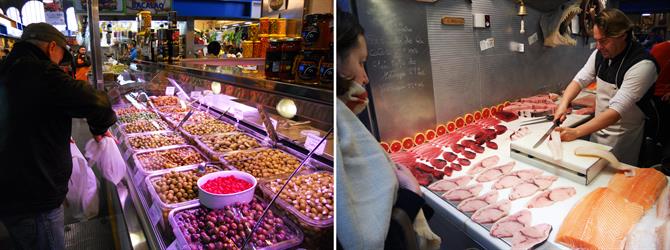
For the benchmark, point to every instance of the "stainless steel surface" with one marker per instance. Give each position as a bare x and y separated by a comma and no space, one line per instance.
96,50
398,66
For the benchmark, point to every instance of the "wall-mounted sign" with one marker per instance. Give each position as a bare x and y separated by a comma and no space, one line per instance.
53,13
447,20
154,6
105,6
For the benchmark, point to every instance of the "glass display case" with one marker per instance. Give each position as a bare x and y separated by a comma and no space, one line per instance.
174,120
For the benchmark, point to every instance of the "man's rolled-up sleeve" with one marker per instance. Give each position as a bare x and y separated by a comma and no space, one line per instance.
636,82
587,74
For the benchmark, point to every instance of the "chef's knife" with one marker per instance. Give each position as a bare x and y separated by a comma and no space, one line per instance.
544,137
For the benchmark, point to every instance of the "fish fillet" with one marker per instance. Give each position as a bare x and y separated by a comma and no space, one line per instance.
445,185
601,220
475,203
643,188
492,213
462,193
529,187
483,164
549,197
528,237
495,172
514,178
506,226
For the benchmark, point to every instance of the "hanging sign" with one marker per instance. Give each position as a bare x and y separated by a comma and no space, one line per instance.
154,6
53,13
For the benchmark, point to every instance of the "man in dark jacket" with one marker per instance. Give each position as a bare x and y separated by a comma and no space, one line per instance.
37,103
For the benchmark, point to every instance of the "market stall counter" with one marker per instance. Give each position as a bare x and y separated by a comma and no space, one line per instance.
502,201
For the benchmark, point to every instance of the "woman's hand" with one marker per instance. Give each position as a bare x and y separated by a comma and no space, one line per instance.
560,113
568,134
406,179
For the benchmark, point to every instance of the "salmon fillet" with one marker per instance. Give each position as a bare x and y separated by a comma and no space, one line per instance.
643,188
599,221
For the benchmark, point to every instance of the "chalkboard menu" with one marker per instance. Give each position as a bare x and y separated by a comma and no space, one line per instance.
398,66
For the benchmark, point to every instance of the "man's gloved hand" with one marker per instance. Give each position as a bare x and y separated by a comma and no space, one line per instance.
98,138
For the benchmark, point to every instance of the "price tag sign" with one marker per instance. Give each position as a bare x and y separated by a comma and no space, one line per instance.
312,141
155,213
196,94
207,92
532,39
169,91
182,103
237,113
274,123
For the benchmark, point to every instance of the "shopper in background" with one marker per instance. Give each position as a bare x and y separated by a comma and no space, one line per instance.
82,64
37,103
625,73
133,50
213,49
661,52
369,184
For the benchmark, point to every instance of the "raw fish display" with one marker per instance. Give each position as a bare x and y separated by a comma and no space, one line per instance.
643,188
549,197
496,172
475,203
528,237
462,193
529,187
514,178
445,185
601,220
506,226
492,213
483,164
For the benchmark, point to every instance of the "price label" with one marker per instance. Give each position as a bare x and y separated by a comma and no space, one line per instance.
274,123
196,94
312,141
532,38
182,103
207,92
237,113
155,213
169,91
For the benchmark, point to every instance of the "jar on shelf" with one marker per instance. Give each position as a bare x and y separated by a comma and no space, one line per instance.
281,26
274,26
317,31
257,49
264,25
307,71
273,56
247,49
326,70
290,48
253,32
265,43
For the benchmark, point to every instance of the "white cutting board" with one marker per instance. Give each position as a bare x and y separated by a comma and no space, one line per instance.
568,160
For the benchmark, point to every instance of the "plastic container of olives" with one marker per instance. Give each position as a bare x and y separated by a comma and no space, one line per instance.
227,144
311,224
166,110
152,183
219,127
184,238
197,117
160,101
255,162
172,139
144,126
145,170
133,117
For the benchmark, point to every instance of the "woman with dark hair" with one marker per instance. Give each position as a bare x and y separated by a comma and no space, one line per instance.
369,185
213,49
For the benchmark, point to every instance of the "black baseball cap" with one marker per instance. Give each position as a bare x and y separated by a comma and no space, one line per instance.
47,33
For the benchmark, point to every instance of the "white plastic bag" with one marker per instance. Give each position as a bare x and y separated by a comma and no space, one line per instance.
82,195
106,155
